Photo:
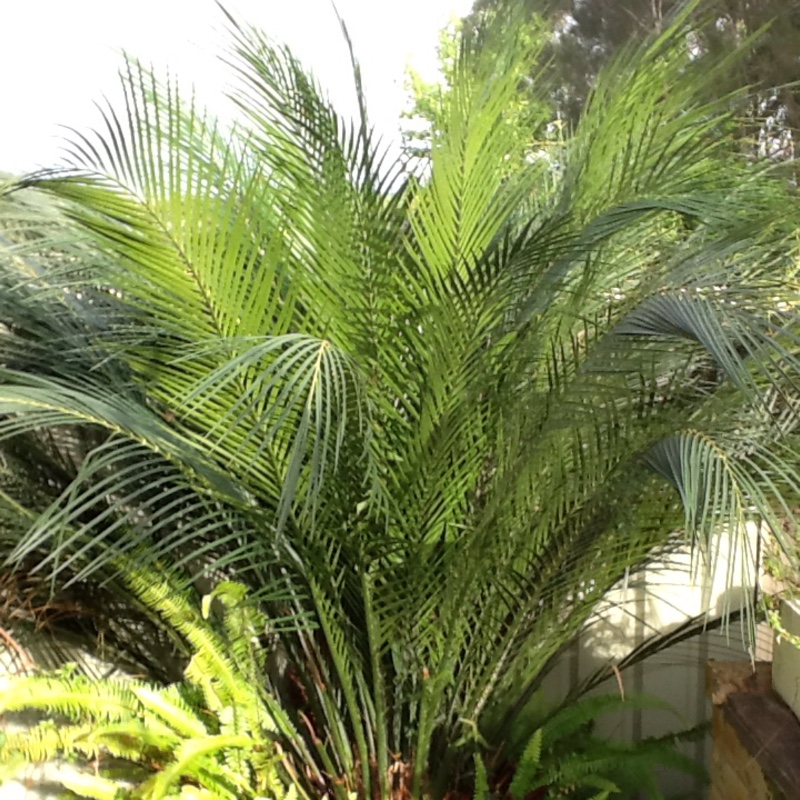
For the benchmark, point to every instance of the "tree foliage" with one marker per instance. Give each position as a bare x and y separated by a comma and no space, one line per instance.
588,33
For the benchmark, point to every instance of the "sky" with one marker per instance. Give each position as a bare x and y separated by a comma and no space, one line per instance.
58,57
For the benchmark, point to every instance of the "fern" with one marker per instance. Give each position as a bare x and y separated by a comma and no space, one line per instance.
564,758
481,791
211,736
525,776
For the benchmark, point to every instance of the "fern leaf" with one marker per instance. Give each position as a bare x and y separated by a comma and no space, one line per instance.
170,707
527,777
75,697
190,757
43,742
481,791
84,784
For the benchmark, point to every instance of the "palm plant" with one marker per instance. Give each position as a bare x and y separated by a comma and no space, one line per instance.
427,419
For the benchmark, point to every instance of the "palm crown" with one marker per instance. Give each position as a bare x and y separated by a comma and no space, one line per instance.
429,420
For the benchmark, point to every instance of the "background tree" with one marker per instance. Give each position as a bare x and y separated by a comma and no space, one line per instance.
589,32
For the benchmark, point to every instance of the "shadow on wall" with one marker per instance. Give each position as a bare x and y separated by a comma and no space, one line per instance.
656,601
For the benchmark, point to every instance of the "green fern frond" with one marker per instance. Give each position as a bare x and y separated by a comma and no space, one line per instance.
95,787
223,745
481,791
527,776
195,756
73,696
44,742
171,707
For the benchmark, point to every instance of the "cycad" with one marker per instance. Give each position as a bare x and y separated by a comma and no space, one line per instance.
430,420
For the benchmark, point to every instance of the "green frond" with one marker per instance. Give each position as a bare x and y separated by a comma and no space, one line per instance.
224,742
481,791
70,695
171,707
525,776
41,743
91,786
190,759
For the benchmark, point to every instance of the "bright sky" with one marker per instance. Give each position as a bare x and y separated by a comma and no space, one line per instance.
58,56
